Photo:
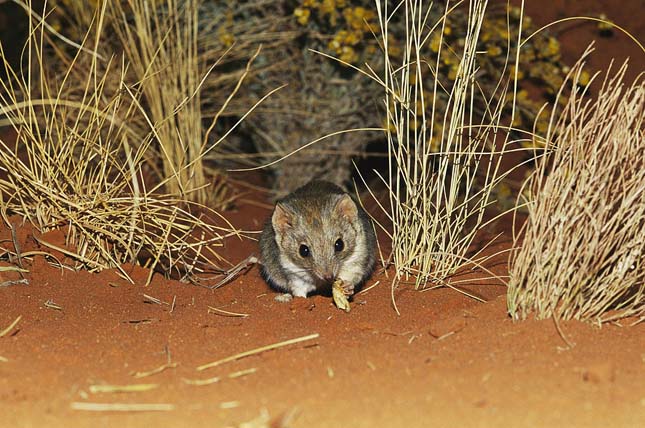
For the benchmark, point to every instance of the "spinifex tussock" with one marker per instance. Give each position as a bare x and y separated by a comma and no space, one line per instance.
76,165
184,86
582,252
159,42
440,178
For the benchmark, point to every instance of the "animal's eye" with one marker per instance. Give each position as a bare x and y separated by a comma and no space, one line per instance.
339,245
304,251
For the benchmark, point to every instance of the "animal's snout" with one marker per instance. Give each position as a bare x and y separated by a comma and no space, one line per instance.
329,278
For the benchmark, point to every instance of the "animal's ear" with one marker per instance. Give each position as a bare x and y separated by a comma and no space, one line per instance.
346,208
282,219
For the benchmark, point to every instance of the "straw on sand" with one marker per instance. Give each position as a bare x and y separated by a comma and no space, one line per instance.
258,351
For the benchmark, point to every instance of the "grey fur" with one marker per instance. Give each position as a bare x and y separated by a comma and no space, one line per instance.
317,215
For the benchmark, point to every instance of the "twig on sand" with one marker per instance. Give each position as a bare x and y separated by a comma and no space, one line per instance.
212,380
122,407
50,304
257,351
167,365
151,299
14,282
201,382
161,368
8,329
235,271
219,311
137,387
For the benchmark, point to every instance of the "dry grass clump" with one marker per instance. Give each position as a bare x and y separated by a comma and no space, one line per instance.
186,64
582,252
76,165
159,42
440,180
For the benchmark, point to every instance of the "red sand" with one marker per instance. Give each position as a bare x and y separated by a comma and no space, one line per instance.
446,361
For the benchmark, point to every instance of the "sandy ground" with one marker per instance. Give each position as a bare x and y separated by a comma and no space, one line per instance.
445,361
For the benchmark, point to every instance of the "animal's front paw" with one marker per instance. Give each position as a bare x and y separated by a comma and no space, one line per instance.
348,288
283,298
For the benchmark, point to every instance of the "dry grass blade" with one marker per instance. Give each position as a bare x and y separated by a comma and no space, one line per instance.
242,373
11,326
161,368
122,407
258,351
212,380
202,382
219,311
140,387
12,269
583,252
9,283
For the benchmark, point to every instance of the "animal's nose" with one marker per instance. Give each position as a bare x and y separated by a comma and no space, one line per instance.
329,278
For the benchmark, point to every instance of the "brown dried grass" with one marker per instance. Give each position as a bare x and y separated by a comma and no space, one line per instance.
76,165
582,252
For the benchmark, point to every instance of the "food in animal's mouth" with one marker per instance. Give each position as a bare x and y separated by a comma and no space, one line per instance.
338,292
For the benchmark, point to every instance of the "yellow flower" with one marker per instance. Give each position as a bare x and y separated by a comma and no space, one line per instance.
447,30
334,45
352,38
437,138
360,12
302,15
528,55
370,49
449,58
553,47
485,35
514,11
389,126
526,22
419,108
413,77
225,36
327,6
393,50
435,42
584,78
452,73
504,191
606,25
502,32
494,50
358,18
520,73
347,54
542,124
